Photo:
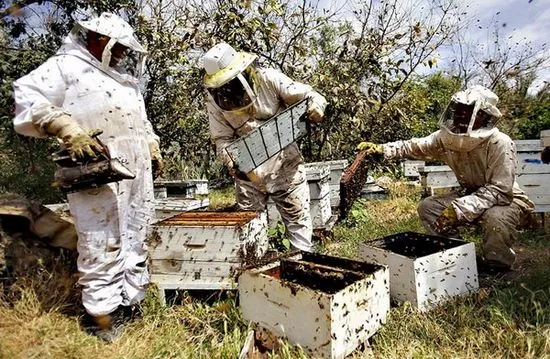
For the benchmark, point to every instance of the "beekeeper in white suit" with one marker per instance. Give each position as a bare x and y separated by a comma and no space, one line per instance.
241,96
81,90
484,162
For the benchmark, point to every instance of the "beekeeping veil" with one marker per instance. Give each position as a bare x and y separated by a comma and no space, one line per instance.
117,30
228,79
470,118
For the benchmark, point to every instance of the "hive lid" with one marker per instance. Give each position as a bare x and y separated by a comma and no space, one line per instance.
209,218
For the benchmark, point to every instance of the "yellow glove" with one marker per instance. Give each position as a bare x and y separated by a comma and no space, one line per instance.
314,113
157,164
371,148
253,177
79,143
446,220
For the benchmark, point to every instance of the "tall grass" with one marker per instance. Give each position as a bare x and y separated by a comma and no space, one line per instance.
508,318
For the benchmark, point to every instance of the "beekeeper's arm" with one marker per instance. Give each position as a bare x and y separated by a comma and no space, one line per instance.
157,163
39,99
425,148
221,133
293,91
500,176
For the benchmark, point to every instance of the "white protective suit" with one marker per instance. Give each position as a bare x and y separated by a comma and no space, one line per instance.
485,167
111,220
283,176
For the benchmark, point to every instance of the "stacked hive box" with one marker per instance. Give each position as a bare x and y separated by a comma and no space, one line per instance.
425,270
328,305
336,168
204,250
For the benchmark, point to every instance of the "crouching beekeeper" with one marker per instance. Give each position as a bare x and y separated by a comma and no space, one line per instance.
240,97
77,92
484,162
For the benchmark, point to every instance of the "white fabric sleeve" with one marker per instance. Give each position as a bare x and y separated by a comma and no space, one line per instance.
151,135
500,176
425,148
39,98
222,134
292,91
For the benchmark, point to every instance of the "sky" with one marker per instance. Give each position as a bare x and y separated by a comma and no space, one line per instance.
519,21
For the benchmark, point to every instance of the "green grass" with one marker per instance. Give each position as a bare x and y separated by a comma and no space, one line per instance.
508,318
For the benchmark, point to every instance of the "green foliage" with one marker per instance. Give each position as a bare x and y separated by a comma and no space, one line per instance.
278,238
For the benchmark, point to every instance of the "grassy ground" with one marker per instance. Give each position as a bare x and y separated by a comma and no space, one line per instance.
508,318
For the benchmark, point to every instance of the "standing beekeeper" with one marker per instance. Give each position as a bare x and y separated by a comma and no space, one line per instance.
240,97
77,92
484,162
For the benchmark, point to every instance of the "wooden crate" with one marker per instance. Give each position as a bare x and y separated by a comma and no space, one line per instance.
327,305
425,270
204,250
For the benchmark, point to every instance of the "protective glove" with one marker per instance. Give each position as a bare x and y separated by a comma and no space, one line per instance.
447,220
157,164
371,148
314,113
238,174
80,143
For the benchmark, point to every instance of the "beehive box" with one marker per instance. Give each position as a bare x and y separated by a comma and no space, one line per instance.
545,138
169,207
204,250
327,305
424,269
187,189
336,168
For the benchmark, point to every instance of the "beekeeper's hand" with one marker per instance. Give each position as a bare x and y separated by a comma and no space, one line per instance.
447,220
80,143
315,113
371,148
234,172
157,164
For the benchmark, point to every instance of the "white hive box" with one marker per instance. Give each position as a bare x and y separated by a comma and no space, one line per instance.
327,305
545,138
187,189
204,250
336,168
169,207
250,151
425,270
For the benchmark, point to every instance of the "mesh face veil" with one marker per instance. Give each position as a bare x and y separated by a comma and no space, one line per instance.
236,95
470,117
